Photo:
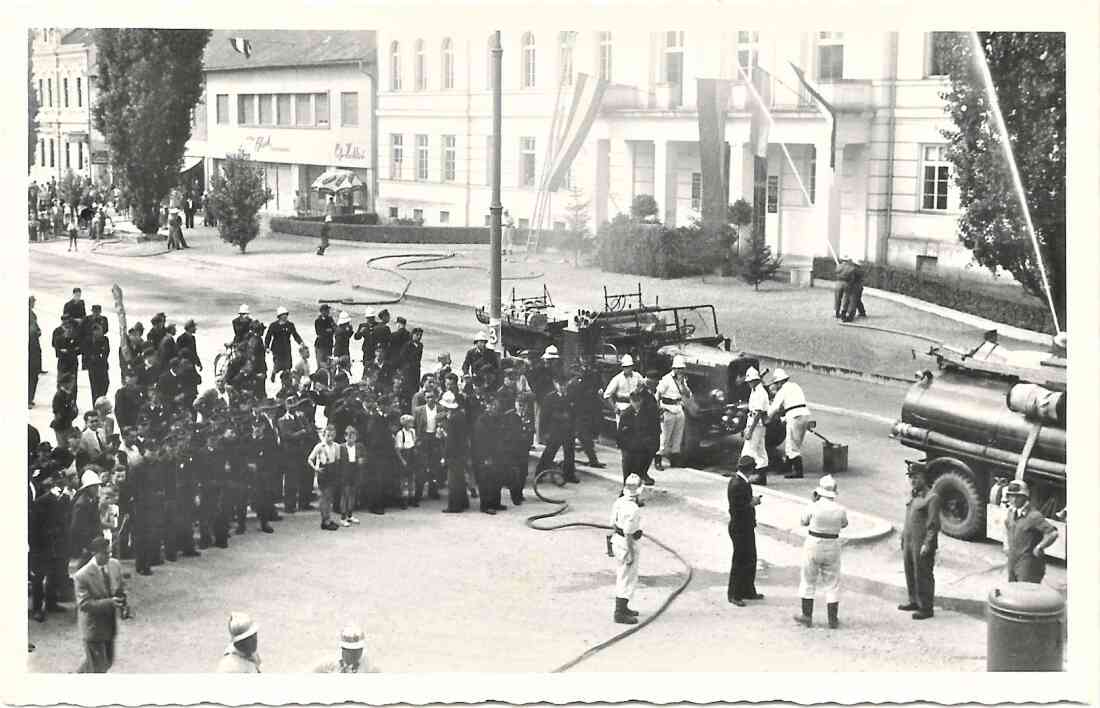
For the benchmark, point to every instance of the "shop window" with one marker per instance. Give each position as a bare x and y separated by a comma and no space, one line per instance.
246,109
302,115
320,109
221,102
267,109
283,114
349,109
393,212
444,217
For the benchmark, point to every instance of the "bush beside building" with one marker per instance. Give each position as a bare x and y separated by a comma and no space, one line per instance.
387,233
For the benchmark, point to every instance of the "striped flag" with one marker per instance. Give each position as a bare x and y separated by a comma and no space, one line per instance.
587,97
241,46
759,123
825,107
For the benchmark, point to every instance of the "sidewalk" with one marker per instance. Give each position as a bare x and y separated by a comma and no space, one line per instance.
808,333
965,572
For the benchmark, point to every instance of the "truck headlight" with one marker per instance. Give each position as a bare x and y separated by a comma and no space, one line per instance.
718,395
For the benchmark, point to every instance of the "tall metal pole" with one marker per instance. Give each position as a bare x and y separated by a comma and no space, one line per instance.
495,208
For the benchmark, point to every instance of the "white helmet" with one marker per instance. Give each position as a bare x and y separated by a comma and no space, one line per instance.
632,485
752,374
627,360
481,336
89,479
551,353
779,376
678,362
242,310
344,318
369,312
281,311
826,487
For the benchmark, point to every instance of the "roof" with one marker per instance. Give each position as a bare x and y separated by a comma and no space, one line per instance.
80,35
283,48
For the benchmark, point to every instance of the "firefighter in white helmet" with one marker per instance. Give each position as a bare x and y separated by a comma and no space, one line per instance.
789,403
755,446
622,385
821,552
626,519
671,393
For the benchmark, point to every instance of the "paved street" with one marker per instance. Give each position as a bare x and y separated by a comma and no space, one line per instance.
467,593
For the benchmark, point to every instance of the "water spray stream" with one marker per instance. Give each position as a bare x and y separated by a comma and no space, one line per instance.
797,175
991,94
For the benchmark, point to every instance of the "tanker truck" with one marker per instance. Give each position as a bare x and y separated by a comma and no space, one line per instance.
982,419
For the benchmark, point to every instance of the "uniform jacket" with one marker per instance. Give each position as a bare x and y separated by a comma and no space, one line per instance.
97,354
66,347
74,309
278,337
634,434
96,609
556,413
514,436
395,348
166,349
50,532
89,324
128,402
325,328
742,511
155,334
922,521
241,324
187,341
456,444
64,410
475,360
486,446
234,662
341,339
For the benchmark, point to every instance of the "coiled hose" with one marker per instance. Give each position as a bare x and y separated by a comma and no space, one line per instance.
563,506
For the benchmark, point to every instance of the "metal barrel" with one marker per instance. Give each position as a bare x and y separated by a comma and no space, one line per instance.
1025,628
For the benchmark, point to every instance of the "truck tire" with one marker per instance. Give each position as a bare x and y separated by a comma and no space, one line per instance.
962,509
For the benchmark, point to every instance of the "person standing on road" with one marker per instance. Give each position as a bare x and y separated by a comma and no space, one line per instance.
100,593
671,392
241,324
622,385
324,460
325,328
556,423
351,660
240,656
755,427
96,358
1027,534
919,540
489,452
821,553
186,346
789,403
626,520
278,339
742,531
34,361
634,436
456,451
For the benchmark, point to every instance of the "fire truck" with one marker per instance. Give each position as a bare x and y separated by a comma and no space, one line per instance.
986,417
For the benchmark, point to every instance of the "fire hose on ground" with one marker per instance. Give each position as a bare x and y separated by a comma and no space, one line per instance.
563,506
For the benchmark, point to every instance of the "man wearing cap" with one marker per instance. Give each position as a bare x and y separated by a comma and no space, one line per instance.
187,347
240,656
1027,534
365,331
479,356
919,540
622,385
100,593
789,402
671,392
755,426
325,328
96,360
821,552
64,407
277,341
742,532
351,659
66,344
85,523
89,323
241,324
341,337
49,544
626,519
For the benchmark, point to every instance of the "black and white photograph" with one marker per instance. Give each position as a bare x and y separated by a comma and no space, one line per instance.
573,342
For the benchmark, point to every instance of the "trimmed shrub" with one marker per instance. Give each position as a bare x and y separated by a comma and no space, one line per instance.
368,218
953,294
386,233
629,246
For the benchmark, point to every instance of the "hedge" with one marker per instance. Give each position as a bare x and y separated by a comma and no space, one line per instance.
952,294
386,233
637,248
368,218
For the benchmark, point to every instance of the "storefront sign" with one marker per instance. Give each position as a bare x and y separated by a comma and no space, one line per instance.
258,143
100,157
349,151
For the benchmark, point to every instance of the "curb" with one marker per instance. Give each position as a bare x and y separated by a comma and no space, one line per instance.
831,369
259,271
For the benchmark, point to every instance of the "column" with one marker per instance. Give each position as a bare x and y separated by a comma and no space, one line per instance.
827,202
665,211
736,172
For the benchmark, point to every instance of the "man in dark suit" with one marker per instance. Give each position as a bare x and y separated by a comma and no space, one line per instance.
742,531
66,343
241,323
49,536
277,341
97,352
479,356
74,308
325,328
186,347
487,450
100,593
556,422
919,540
635,438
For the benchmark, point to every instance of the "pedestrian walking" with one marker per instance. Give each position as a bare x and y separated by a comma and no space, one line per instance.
919,540
742,532
73,231
186,345
352,659
241,655
100,594
755,427
324,460
277,341
557,424
626,531
1027,535
672,392
353,475
789,403
821,553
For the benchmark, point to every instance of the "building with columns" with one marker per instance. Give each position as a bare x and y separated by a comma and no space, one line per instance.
898,203
62,69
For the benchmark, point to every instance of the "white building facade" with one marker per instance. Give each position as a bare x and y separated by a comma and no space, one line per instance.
62,70
898,202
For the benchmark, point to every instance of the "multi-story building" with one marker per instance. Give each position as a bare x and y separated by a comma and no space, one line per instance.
299,103
898,202
62,71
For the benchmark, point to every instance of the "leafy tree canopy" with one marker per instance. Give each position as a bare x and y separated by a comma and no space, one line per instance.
236,196
149,81
1029,77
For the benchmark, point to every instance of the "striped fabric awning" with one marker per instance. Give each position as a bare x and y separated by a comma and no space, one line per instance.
338,181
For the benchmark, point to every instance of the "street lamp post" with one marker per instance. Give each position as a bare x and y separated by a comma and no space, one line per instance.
495,208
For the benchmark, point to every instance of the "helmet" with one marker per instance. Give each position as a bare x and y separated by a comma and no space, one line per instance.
779,376
627,360
551,353
826,487
752,374
241,626
352,637
678,362
89,479
281,311
344,318
1016,488
242,310
632,484
448,400
369,312
481,337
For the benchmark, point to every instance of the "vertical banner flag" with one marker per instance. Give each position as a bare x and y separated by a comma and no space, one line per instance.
241,46
713,100
824,107
758,125
587,98
832,202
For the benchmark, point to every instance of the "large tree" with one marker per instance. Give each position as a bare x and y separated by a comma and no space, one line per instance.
1029,78
32,105
236,195
149,80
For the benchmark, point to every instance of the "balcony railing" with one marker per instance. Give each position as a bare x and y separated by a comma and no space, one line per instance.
844,95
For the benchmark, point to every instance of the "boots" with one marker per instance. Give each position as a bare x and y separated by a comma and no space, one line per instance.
796,469
807,617
657,463
834,620
622,613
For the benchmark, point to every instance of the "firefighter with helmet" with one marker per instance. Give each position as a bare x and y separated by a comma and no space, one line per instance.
671,393
755,445
622,385
626,518
789,403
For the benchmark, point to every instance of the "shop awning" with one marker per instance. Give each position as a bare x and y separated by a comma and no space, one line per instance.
338,181
189,163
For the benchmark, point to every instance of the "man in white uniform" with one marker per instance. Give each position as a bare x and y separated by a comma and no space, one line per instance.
622,385
821,553
626,520
789,402
671,392
755,446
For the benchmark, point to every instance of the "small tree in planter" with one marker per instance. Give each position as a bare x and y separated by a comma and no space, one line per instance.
758,264
236,195
644,208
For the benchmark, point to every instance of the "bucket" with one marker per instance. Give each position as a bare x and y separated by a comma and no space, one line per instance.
834,458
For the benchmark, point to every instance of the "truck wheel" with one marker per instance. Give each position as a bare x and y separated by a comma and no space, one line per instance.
962,511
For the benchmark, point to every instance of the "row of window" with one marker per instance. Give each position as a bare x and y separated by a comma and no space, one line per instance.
447,155
42,145
45,90
445,218
300,110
